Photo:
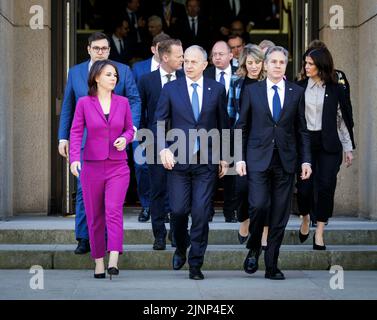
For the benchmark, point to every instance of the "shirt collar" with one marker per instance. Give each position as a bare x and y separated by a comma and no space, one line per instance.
164,73
199,82
312,83
228,70
280,84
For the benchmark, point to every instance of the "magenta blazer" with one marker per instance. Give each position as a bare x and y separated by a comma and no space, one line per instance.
101,134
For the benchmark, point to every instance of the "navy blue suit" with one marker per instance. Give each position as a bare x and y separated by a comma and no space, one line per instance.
140,68
271,150
77,87
150,89
191,186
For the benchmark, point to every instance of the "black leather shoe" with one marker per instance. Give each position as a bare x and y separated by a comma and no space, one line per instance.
195,273
82,247
159,244
302,236
242,239
112,272
317,246
144,215
179,259
250,264
274,275
100,275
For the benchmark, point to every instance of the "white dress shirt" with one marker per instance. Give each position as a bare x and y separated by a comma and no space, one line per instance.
117,44
314,99
271,93
195,23
154,65
227,76
199,90
164,78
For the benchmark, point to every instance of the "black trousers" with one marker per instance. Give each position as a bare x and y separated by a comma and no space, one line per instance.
270,193
191,190
316,195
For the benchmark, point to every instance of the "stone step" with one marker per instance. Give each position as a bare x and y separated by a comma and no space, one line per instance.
218,257
217,236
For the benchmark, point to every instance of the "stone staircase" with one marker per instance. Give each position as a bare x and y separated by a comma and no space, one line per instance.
49,242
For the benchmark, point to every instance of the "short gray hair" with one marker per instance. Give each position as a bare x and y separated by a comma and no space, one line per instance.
199,48
156,19
271,50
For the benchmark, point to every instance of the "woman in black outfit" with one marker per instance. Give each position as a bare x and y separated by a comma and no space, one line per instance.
329,120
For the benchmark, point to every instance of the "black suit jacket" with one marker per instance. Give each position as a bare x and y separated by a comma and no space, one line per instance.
116,56
150,89
178,13
202,37
260,133
335,96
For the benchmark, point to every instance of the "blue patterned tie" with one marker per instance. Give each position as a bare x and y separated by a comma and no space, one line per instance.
195,109
276,105
222,78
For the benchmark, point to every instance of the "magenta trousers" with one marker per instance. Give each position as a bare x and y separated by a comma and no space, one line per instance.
104,186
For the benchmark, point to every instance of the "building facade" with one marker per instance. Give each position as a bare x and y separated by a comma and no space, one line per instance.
37,47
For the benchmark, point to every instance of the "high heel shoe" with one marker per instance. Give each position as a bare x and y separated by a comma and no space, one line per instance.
100,275
302,236
317,246
242,239
113,271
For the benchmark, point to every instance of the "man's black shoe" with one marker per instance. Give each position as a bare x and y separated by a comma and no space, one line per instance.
179,259
274,275
195,273
159,244
250,264
83,246
144,215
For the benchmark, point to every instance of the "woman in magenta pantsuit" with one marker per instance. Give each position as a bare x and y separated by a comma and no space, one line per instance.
105,174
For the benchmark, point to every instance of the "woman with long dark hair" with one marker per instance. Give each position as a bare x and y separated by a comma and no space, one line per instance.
329,121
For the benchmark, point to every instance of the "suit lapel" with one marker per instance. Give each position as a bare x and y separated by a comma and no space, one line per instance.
99,108
113,107
85,73
287,98
263,94
185,97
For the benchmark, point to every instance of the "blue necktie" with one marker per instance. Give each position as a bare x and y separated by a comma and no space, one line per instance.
195,109
276,105
222,78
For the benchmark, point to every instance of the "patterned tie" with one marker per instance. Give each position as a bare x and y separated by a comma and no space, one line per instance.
276,104
222,78
195,109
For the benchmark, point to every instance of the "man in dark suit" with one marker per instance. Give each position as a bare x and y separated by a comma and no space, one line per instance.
150,85
77,86
273,125
141,170
171,13
192,103
222,71
120,49
194,29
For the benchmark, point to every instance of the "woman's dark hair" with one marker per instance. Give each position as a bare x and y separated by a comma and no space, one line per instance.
95,71
324,62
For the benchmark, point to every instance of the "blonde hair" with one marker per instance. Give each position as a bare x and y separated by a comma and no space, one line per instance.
256,53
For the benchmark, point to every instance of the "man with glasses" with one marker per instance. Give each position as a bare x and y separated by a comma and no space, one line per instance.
77,86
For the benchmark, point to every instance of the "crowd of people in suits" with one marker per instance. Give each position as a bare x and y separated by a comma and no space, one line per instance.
291,132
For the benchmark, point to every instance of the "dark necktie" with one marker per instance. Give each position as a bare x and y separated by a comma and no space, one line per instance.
168,76
195,109
222,78
193,26
121,47
276,104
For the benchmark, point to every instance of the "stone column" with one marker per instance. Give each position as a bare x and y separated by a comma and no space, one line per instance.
6,110
355,49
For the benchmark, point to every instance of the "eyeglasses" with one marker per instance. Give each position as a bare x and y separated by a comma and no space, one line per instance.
98,49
